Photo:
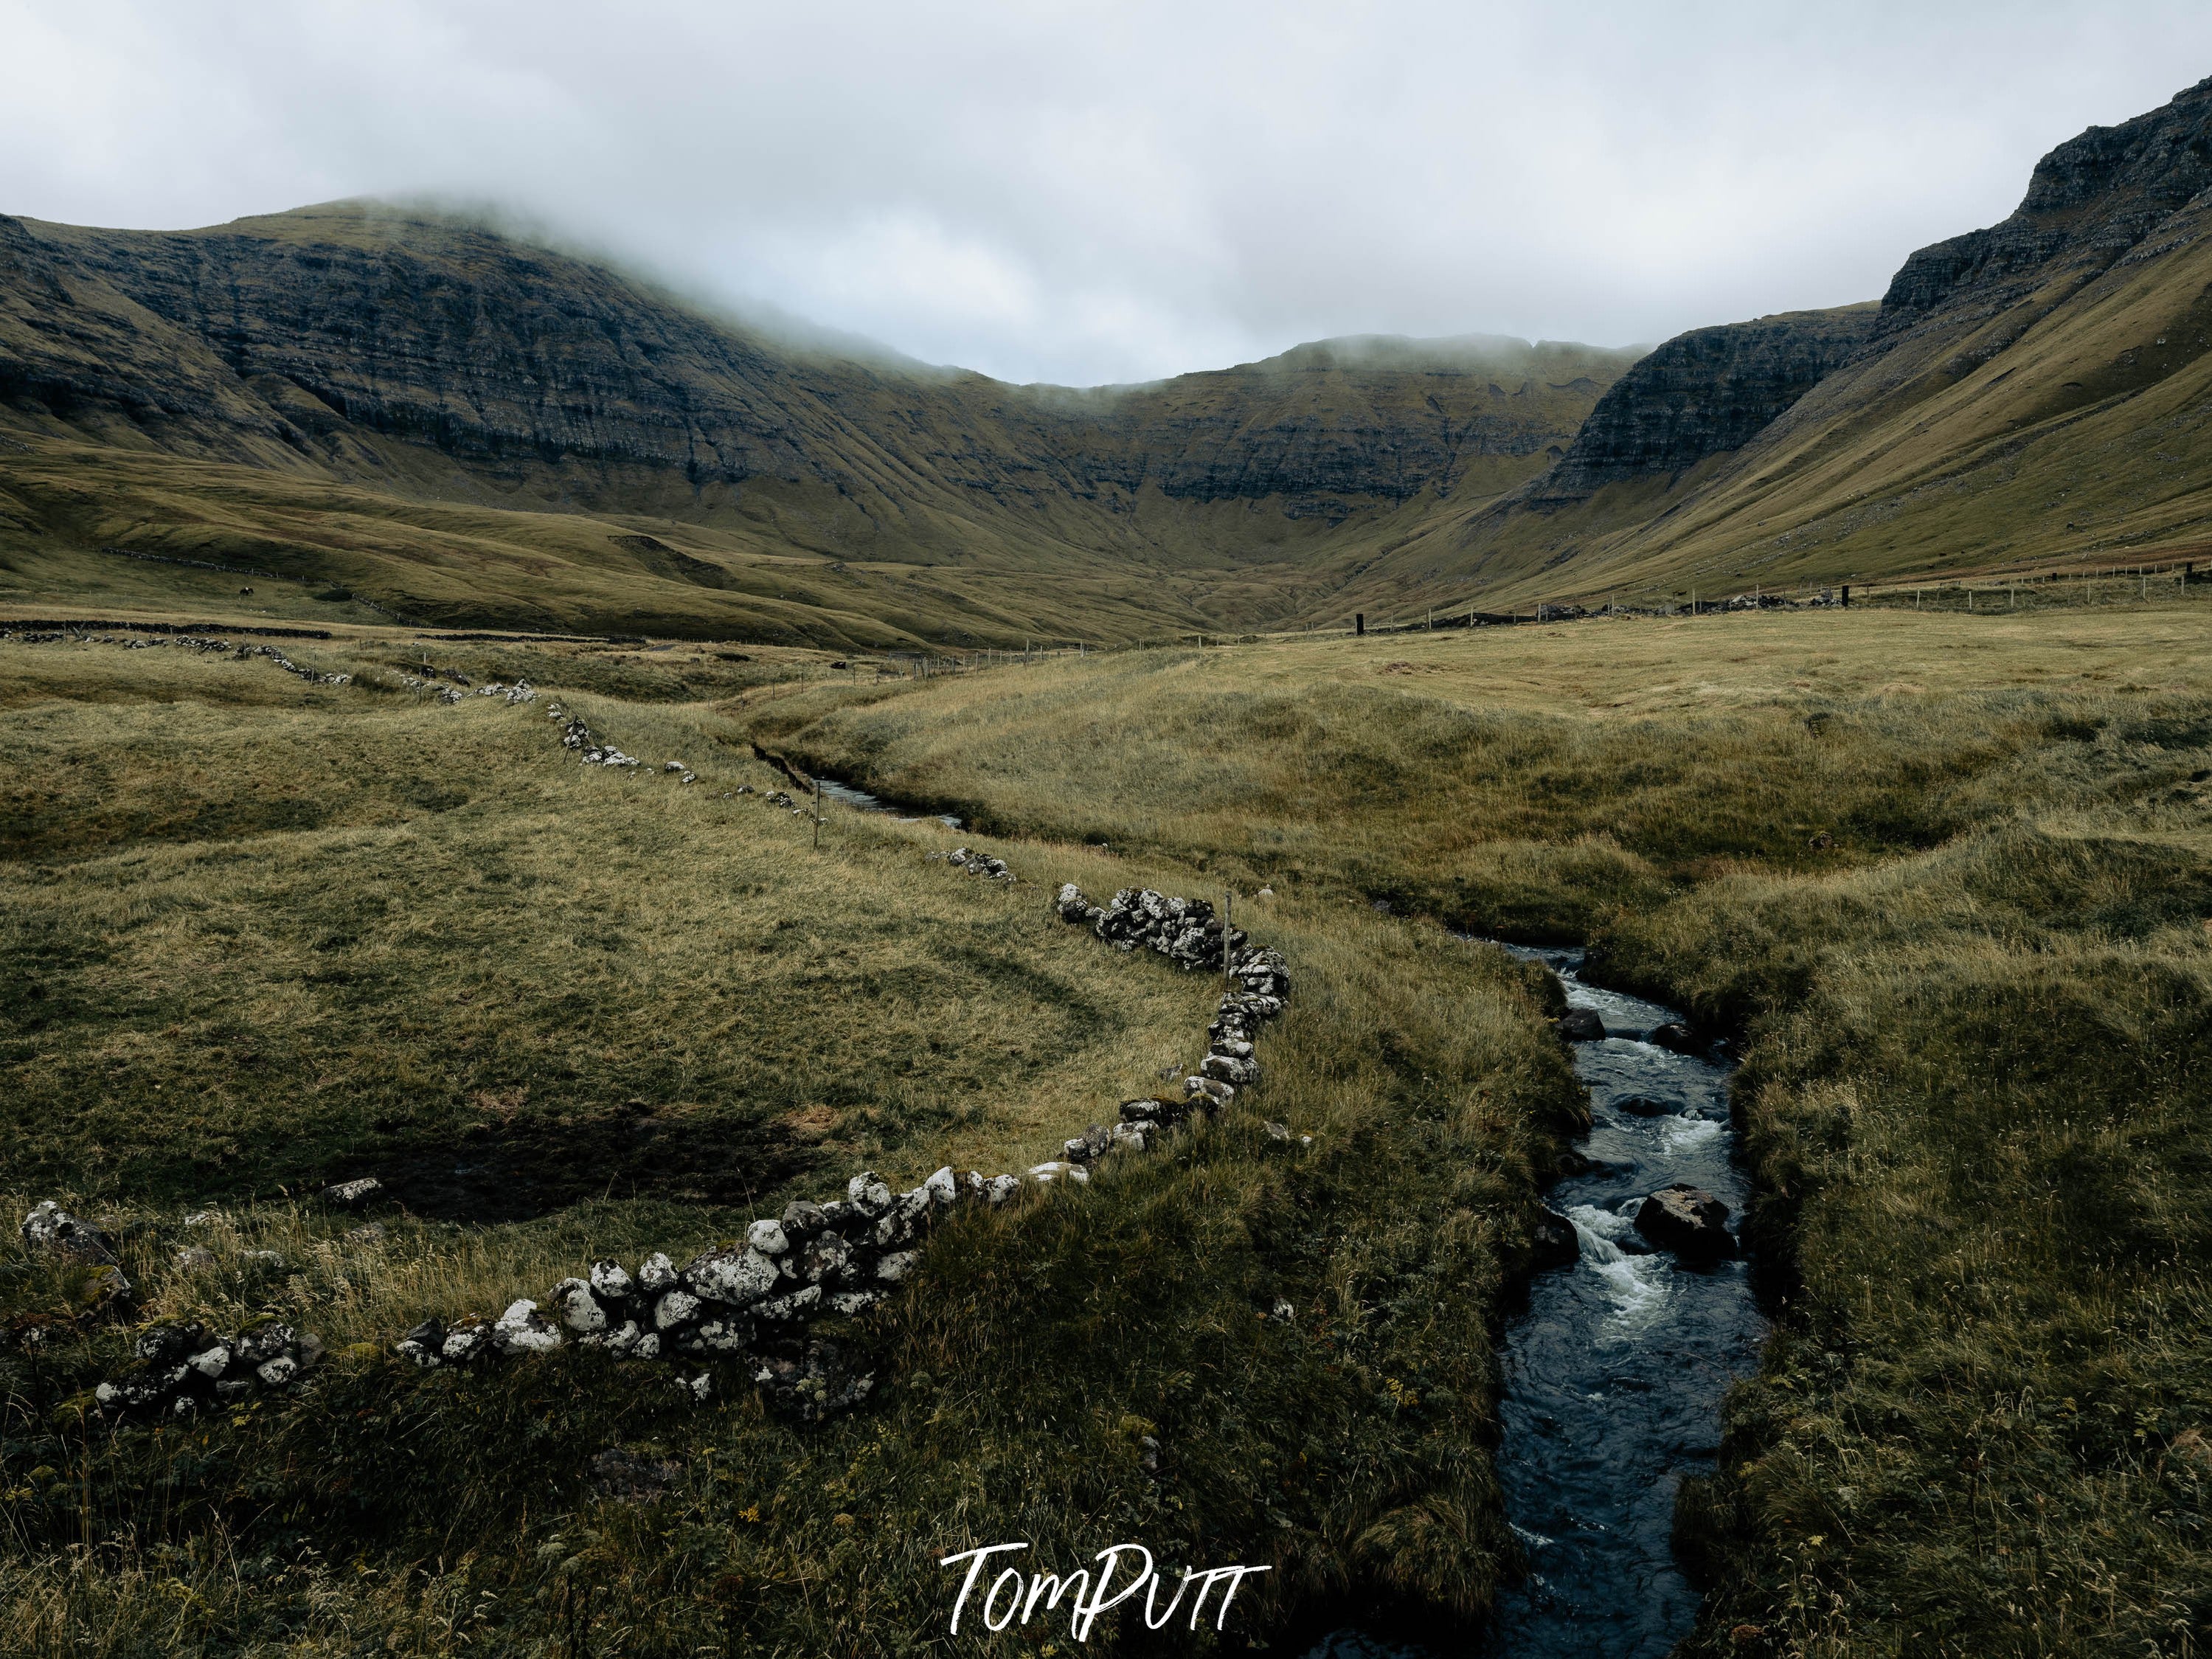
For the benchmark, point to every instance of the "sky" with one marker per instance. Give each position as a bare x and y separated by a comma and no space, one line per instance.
1086,192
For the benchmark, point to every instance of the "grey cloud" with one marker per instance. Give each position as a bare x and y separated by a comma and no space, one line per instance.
1114,191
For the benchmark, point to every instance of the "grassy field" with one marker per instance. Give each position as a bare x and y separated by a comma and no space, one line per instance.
1946,876
259,934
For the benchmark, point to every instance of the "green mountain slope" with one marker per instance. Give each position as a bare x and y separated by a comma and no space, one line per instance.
461,426
2030,394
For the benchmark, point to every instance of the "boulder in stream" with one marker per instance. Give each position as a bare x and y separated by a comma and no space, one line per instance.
1552,1241
1643,1106
1687,1220
1676,1037
1580,1025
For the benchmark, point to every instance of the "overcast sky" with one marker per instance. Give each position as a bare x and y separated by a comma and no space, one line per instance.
1083,192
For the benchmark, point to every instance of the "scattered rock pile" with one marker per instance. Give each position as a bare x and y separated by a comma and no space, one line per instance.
754,1300
203,644
183,1369
750,1301
1183,930
577,736
976,864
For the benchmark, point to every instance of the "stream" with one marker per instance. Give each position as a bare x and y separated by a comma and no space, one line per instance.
1613,1375
861,801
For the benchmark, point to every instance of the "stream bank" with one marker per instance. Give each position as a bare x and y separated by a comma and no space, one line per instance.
1615,1372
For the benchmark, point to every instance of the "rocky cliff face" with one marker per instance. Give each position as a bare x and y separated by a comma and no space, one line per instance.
334,332
2089,202
1700,394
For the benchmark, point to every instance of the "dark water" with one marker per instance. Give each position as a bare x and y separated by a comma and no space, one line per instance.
861,801
1613,1376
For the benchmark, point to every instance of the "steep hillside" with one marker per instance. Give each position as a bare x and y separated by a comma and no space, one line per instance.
425,404
2029,394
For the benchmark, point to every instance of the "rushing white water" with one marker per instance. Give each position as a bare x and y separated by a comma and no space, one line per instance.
1614,1374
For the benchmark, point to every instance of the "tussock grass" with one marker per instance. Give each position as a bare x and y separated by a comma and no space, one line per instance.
461,947
1973,1023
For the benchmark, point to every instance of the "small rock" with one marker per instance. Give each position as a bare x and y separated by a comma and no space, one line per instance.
1676,1037
609,1281
523,1330
353,1193
869,1193
1643,1106
768,1238
194,1260
677,1308
737,1276
50,1227
425,1345
1552,1240
783,1309
656,1275
579,1310
1048,1173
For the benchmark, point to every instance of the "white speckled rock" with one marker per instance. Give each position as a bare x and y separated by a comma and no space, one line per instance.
897,1265
738,1276
722,1335
277,1372
784,1308
616,1342
674,1309
869,1193
523,1330
656,1274
608,1279
580,1310
768,1238
943,1187
1048,1173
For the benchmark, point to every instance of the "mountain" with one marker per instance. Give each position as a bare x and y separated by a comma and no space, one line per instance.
457,426
461,426
2034,393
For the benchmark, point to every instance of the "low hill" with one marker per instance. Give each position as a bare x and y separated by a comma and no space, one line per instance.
462,426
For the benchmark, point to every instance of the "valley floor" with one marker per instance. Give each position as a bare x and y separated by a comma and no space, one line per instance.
1945,878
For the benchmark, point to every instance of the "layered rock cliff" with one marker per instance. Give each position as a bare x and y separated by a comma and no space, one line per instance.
1700,394
338,331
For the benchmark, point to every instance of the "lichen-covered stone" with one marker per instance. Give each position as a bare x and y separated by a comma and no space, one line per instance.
577,1308
675,1308
737,1275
